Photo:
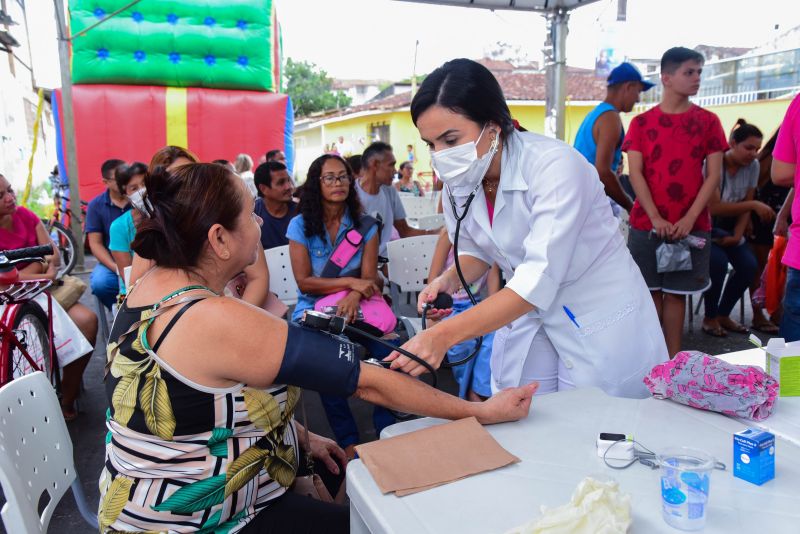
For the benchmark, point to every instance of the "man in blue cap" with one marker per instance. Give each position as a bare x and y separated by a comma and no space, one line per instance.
601,133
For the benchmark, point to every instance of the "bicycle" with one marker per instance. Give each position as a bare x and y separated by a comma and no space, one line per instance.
26,331
58,226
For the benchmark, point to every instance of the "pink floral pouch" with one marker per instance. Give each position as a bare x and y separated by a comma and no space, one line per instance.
708,383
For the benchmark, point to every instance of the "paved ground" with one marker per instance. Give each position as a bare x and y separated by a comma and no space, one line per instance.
88,430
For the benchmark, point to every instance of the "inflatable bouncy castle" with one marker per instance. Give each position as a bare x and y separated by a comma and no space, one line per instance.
204,75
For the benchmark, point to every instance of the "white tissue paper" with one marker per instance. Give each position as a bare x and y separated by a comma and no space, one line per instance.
595,508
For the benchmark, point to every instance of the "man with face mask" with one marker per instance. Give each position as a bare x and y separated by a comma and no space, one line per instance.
378,197
600,135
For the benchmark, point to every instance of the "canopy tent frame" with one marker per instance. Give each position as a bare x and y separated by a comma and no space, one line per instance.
556,13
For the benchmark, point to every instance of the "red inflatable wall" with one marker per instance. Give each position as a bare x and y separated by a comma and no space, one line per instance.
133,122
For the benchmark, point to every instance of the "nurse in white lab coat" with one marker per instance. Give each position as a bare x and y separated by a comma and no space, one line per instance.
575,311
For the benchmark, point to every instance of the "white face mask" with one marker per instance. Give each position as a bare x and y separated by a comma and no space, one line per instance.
137,199
460,167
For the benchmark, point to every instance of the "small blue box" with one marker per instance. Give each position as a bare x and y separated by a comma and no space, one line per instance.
754,455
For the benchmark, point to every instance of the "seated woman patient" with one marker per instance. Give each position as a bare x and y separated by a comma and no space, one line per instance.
202,388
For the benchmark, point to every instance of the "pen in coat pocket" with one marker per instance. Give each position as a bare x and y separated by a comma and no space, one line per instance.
571,316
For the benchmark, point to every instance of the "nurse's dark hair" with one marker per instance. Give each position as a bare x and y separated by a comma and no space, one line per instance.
465,87
743,130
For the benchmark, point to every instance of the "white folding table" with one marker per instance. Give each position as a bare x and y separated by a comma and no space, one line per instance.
556,444
785,419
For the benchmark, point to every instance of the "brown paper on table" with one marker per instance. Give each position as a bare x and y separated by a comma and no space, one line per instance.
433,456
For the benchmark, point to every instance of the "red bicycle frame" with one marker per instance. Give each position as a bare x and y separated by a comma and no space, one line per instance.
14,296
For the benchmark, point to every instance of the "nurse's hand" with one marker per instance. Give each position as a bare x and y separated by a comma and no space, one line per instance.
440,284
427,345
510,404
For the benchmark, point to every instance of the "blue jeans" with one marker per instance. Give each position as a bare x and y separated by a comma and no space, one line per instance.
790,324
719,301
338,410
105,284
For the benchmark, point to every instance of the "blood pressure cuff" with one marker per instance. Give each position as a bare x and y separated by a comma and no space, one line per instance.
320,361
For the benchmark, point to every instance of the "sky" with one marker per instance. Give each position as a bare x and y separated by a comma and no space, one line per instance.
375,39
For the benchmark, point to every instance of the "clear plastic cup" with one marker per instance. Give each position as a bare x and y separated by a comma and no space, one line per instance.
685,478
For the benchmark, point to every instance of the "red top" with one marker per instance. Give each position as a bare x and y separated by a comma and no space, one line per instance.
673,148
490,209
23,230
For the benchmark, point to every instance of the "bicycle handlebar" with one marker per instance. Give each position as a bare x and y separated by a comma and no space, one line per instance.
28,254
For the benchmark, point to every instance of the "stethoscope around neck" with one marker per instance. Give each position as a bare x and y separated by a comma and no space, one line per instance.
443,300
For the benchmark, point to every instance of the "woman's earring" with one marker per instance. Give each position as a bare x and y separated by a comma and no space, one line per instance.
226,255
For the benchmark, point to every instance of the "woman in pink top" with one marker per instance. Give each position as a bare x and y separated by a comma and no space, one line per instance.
20,227
785,173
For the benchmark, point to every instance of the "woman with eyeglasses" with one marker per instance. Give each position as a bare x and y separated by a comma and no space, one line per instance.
329,208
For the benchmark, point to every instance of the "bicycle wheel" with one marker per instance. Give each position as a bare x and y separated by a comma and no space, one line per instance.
66,243
30,327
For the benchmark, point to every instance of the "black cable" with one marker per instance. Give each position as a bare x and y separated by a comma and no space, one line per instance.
356,332
464,284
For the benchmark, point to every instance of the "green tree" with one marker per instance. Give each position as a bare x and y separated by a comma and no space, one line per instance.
41,199
311,89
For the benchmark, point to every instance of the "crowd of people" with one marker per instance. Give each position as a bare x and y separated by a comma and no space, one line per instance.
198,229
204,376
687,179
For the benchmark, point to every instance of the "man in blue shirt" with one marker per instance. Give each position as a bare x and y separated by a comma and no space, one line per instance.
601,133
274,203
101,212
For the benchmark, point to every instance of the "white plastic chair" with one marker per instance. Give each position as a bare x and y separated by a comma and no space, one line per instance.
281,277
103,330
36,463
430,222
409,263
417,207
126,275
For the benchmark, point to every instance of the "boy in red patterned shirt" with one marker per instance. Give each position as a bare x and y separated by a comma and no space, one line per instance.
667,147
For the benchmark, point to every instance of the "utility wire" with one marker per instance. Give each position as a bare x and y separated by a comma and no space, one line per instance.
99,22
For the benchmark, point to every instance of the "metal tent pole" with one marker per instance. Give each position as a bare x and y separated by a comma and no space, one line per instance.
556,73
69,134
